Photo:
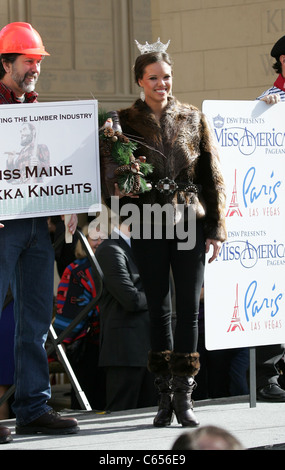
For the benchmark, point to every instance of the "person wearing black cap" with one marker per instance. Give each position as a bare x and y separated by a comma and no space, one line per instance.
269,358
277,92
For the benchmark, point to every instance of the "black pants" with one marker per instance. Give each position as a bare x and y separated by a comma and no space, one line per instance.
155,258
129,388
91,378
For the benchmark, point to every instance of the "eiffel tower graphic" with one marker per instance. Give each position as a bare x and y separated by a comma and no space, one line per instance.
233,207
235,322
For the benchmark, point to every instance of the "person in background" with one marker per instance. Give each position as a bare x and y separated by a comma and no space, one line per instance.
27,257
76,289
124,327
207,438
269,358
276,93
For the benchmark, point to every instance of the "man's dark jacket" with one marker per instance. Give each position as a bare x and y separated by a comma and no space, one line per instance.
124,318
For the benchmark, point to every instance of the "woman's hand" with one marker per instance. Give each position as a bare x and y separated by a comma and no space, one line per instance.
1,225
216,248
72,223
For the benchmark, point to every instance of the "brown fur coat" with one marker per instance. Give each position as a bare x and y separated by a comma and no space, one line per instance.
186,154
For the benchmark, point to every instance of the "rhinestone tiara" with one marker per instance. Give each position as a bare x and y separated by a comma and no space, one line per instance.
155,47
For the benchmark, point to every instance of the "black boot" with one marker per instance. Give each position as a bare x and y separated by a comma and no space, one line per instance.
164,416
182,403
158,363
184,367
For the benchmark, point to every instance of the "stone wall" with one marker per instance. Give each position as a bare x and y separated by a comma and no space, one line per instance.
221,48
91,43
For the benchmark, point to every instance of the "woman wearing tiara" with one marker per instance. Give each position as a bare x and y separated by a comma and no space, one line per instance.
185,180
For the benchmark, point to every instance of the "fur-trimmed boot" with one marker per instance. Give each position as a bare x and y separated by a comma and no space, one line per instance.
158,363
184,367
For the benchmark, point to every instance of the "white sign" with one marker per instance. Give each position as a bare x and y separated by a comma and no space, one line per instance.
245,288
49,159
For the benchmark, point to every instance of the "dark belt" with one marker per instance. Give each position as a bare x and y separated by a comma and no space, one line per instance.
168,186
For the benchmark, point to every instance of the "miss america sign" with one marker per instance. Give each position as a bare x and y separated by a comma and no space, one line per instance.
244,287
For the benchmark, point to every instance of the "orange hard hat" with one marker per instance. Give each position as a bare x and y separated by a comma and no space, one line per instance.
21,38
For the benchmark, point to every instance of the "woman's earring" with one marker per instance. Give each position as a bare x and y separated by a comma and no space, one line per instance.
142,95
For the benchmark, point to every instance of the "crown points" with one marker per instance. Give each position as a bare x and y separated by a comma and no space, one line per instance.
155,47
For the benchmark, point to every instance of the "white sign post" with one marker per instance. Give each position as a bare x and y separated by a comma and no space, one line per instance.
244,288
49,159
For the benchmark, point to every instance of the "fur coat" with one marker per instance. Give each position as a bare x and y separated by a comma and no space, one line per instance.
181,148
